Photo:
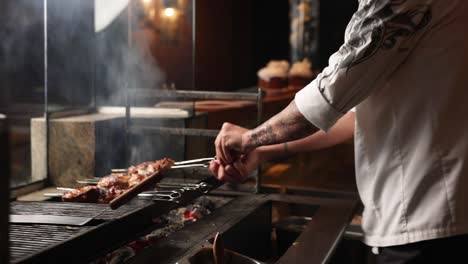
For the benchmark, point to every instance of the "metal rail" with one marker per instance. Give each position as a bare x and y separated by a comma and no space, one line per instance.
4,189
184,94
174,131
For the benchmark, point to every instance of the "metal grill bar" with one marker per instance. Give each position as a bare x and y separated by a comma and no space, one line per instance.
174,131
204,95
68,209
25,240
52,243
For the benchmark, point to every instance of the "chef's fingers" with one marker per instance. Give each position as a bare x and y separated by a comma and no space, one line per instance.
241,169
229,136
218,148
220,174
234,174
214,165
223,175
226,148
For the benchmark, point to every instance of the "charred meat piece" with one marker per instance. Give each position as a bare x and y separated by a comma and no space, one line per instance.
92,194
109,194
87,194
143,170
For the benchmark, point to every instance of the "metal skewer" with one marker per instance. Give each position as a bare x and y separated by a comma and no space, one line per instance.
194,163
119,170
162,195
65,189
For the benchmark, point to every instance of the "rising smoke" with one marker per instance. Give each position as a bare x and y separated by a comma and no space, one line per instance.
88,64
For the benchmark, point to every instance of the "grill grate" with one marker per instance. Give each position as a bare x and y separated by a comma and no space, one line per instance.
33,243
28,239
69,209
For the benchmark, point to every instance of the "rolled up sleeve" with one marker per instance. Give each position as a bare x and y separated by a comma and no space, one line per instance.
379,37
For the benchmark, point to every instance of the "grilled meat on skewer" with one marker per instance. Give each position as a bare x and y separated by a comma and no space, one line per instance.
87,194
109,194
117,180
111,186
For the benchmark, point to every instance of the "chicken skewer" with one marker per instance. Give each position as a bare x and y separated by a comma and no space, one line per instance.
110,187
136,179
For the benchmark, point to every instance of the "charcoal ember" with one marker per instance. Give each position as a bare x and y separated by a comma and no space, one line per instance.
196,213
200,209
170,223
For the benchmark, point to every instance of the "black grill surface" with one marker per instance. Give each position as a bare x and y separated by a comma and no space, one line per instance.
110,229
28,239
70,209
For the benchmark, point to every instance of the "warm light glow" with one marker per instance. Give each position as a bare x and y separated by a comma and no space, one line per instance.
146,1
151,13
169,11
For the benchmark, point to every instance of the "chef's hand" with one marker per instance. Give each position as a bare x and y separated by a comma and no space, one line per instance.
230,143
238,171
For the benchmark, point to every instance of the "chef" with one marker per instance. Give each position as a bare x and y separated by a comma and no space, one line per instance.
404,67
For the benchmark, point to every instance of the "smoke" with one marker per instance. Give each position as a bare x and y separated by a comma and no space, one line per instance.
123,61
17,29
90,63
21,50
90,52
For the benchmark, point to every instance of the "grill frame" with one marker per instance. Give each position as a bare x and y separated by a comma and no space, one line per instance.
316,244
4,188
111,230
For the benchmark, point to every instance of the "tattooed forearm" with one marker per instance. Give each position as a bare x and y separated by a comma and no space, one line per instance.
288,125
264,135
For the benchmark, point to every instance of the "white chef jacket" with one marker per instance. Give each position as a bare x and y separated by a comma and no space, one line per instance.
404,65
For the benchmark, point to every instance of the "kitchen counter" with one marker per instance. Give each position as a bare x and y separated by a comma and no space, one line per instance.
242,113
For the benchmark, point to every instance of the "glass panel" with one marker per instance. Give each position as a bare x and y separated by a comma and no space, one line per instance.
21,81
145,46
164,30
99,53
103,57
70,54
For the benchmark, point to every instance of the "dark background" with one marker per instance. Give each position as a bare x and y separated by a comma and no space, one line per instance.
233,40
